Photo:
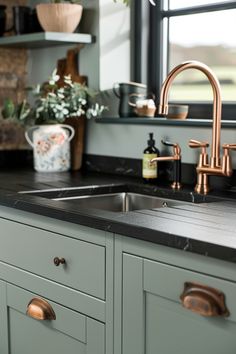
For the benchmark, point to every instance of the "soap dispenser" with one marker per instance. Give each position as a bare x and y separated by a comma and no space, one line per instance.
150,171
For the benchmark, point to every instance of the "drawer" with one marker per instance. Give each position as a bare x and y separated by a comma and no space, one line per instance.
34,250
168,282
60,331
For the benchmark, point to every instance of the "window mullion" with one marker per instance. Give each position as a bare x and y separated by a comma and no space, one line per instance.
156,48
229,5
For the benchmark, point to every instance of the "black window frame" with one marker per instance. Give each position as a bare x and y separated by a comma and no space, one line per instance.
156,53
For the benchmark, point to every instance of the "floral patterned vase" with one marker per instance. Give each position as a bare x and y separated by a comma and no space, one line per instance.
51,146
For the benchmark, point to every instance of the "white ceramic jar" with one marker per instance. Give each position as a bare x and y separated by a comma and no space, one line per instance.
51,146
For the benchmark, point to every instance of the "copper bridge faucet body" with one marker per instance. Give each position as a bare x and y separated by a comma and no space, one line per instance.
176,158
216,166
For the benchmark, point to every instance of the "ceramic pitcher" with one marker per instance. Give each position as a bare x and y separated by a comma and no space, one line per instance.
51,146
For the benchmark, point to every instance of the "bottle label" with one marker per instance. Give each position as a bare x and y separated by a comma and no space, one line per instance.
149,170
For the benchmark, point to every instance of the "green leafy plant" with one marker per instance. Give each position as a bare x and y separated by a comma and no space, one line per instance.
55,104
18,112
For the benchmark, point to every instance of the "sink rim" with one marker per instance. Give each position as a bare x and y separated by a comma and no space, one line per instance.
109,188
121,201
110,197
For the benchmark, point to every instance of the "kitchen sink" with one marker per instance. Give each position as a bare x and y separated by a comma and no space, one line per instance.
111,198
119,202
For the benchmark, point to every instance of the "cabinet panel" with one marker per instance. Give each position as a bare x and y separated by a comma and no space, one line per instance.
70,332
4,343
154,321
172,329
34,250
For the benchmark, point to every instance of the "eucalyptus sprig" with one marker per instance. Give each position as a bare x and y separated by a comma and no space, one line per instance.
55,104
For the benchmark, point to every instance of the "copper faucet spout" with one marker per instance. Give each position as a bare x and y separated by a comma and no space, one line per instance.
217,103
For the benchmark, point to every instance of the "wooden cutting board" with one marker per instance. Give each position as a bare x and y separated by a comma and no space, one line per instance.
69,66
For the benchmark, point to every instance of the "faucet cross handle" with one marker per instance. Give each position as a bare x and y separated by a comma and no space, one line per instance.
228,147
194,144
203,158
226,161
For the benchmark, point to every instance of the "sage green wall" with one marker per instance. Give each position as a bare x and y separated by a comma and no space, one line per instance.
130,140
106,62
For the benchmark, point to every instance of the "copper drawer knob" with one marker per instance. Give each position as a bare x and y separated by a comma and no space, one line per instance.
203,300
57,261
40,309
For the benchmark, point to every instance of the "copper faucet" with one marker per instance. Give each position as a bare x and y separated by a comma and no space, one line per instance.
176,158
216,166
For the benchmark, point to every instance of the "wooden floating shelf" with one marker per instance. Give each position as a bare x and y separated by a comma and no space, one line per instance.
45,40
189,122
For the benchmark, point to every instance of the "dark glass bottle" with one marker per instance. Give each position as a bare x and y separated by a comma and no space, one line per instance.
150,171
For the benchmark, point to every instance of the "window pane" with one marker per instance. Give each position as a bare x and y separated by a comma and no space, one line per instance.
178,4
207,38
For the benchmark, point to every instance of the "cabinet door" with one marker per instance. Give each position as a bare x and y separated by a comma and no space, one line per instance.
154,320
69,333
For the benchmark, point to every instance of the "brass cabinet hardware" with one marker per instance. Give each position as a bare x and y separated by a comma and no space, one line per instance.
40,309
203,300
57,261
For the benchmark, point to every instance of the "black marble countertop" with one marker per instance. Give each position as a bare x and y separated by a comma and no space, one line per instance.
202,225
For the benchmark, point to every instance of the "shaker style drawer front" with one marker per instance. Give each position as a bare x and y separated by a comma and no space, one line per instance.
73,263
198,293
31,329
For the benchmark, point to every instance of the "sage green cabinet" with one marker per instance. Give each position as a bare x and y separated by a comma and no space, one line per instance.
69,333
154,320
77,291
114,295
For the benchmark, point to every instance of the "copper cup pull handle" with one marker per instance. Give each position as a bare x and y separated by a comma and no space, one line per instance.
203,300
57,261
40,309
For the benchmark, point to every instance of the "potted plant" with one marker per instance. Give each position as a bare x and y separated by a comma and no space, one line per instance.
12,129
54,105
59,15
12,119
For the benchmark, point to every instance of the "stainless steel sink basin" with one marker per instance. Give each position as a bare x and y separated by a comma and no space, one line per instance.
119,202
115,198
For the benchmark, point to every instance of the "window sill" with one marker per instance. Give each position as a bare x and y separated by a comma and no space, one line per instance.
189,122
